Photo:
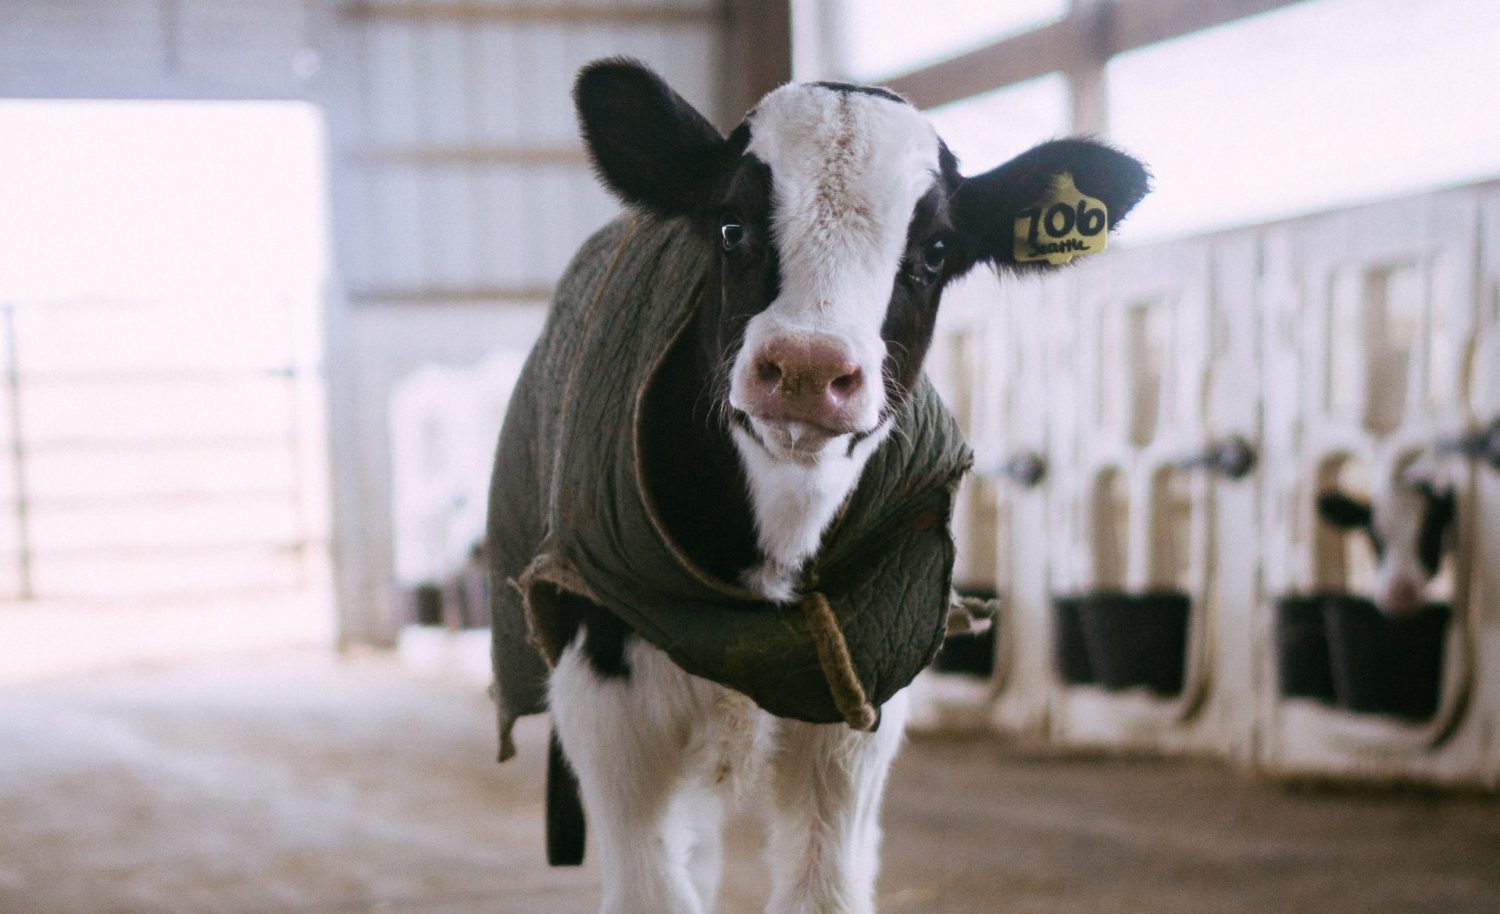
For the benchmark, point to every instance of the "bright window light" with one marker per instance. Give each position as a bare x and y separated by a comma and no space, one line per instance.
988,129
160,198
161,286
879,38
1315,106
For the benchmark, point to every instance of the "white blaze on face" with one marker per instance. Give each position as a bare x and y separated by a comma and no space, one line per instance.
1398,515
847,170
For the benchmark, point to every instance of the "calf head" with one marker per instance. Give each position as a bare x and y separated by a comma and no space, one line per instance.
1407,524
839,216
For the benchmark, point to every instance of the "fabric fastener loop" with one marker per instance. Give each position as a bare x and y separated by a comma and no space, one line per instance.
838,666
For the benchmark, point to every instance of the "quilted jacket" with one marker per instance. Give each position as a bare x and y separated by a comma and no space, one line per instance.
569,514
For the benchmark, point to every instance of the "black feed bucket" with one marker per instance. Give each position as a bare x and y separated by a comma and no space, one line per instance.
1137,639
423,605
971,654
1384,664
1302,666
1069,648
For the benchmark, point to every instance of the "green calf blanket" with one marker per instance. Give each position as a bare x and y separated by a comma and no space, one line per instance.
570,516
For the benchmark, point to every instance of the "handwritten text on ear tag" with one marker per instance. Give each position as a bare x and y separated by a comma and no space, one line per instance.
1064,224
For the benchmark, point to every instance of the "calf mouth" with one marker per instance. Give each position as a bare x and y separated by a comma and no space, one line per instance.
802,441
800,438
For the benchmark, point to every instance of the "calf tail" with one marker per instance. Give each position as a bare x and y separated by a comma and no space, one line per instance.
565,825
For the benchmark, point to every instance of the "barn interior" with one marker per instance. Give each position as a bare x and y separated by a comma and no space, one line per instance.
270,268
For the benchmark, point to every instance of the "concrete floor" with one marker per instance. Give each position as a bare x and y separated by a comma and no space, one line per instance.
301,784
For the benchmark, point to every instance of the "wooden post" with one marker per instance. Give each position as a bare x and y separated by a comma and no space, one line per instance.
758,54
1088,89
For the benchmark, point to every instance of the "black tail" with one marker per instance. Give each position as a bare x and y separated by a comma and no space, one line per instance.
565,826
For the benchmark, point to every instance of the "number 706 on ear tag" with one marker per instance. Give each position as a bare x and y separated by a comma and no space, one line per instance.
1064,224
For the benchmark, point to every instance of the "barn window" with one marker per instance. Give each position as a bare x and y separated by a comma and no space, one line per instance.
1305,98
870,39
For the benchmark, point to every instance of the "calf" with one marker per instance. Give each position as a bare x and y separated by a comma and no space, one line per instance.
828,224
1408,522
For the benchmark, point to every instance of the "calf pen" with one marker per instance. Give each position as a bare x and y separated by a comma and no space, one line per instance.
1152,429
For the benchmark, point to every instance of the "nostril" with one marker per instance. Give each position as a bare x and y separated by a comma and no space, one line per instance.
846,385
767,372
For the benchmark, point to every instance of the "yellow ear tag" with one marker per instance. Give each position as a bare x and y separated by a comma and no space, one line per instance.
1064,224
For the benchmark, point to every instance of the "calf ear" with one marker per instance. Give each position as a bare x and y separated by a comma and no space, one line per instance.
1342,511
986,206
649,146
1443,505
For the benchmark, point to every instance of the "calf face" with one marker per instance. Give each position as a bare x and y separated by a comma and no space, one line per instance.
1407,525
840,216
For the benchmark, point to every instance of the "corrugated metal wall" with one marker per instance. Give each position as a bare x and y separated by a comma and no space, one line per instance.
459,190
157,48
466,179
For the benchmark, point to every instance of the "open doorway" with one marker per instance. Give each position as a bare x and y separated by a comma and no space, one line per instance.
162,475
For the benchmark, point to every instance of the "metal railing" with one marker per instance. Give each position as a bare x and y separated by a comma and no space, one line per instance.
157,474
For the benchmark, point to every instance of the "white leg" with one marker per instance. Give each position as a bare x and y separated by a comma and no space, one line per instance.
827,784
701,815
627,739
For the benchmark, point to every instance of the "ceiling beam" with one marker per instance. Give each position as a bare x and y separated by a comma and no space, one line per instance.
758,54
1087,37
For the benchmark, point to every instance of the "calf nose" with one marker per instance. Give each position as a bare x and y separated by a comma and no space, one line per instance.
812,379
1401,595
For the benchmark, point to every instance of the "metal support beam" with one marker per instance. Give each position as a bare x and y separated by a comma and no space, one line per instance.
513,156
171,37
24,588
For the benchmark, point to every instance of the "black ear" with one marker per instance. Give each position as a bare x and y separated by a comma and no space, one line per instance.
1442,504
1437,525
1342,511
649,146
986,206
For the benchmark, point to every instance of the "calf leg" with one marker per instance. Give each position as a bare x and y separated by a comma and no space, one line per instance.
628,737
827,783
700,813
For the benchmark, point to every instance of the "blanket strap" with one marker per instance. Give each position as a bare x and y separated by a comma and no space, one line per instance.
838,666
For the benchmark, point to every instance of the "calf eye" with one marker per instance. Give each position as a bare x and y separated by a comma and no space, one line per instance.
933,255
732,233
927,265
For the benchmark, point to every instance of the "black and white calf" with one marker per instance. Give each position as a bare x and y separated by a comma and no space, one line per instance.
838,216
1409,522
